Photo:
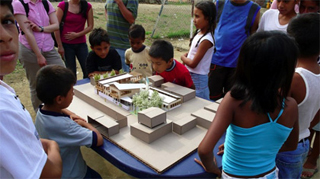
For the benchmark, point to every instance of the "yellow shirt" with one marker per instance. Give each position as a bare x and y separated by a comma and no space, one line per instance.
139,62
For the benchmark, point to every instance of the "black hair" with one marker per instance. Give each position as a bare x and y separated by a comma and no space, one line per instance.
137,31
52,81
265,69
7,3
161,49
83,8
208,9
97,36
305,29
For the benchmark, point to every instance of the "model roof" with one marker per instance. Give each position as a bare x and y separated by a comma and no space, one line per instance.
116,78
128,86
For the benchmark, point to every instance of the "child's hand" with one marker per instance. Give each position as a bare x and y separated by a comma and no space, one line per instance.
213,169
221,149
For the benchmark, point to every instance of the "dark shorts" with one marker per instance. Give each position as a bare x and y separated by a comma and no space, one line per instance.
219,81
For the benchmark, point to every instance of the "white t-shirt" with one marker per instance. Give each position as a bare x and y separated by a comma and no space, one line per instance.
311,102
203,66
269,21
21,152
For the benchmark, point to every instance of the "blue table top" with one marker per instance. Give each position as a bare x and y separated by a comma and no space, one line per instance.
186,168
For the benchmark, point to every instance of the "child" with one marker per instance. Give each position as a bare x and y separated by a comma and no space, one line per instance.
258,115
55,122
305,29
102,58
307,6
22,153
237,19
278,19
198,59
161,54
137,57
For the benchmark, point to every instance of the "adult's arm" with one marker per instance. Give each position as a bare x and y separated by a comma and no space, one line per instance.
90,23
59,14
53,26
24,25
128,15
53,166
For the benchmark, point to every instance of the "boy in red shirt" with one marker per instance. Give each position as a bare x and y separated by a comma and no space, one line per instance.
161,54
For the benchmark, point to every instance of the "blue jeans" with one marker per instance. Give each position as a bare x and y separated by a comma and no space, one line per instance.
201,84
121,52
290,163
70,53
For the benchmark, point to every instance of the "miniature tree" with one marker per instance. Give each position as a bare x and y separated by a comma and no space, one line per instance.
121,71
141,100
106,75
112,73
96,77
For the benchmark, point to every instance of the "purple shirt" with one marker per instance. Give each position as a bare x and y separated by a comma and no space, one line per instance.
38,15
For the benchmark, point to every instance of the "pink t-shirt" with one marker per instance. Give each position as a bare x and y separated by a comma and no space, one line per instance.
73,23
38,15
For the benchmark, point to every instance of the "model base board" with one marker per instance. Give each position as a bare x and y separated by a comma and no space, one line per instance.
160,154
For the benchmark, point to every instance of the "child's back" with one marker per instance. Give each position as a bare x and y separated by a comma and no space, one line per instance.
258,121
304,89
70,137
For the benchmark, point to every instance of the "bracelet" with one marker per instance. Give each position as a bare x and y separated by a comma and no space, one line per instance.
42,29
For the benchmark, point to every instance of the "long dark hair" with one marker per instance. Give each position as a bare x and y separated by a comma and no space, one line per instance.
265,69
83,8
209,11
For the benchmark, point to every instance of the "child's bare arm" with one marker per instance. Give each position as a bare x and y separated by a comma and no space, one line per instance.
90,127
72,115
218,126
53,166
203,48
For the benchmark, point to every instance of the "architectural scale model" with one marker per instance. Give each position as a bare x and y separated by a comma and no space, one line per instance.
159,137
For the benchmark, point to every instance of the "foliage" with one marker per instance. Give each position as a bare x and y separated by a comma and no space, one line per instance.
142,101
96,77
106,75
112,73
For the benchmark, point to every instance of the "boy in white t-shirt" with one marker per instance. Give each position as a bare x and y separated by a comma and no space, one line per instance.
22,153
